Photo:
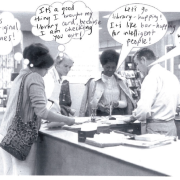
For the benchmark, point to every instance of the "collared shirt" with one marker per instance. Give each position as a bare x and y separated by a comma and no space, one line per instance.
94,90
160,95
111,90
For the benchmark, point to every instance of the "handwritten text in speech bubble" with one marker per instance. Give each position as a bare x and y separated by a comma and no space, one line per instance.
62,22
10,32
136,25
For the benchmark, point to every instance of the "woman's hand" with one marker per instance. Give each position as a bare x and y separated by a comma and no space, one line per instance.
81,120
70,122
104,108
115,104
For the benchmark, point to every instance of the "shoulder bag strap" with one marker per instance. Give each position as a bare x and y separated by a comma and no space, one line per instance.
20,95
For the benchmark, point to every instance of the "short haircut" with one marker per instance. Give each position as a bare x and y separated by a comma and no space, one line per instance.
149,54
58,60
38,55
109,55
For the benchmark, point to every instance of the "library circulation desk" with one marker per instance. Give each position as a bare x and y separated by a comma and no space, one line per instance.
60,153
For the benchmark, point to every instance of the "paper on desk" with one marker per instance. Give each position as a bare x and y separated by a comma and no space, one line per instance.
80,120
75,126
119,119
150,137
148,144
107,121
113,139
79,126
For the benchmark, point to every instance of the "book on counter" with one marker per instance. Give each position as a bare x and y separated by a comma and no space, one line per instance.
105,140
142,141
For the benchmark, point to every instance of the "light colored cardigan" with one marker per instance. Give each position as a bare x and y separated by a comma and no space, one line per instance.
94,90
34,100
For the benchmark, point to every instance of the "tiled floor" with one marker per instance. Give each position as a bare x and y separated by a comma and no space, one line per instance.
1,165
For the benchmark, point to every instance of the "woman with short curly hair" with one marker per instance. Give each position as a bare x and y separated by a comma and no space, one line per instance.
107,89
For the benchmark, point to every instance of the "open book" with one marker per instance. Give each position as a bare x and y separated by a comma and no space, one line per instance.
113,139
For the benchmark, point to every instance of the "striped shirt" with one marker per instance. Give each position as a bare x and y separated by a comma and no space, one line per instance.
111,91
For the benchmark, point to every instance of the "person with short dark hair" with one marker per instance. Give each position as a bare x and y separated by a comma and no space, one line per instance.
34,102
148,53
160,95
107,89
38,56
109,56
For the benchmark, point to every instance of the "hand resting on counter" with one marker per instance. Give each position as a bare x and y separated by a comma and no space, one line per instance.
81,120
57,120
104,107
129,119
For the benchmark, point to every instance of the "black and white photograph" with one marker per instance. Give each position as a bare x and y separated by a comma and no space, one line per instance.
90,88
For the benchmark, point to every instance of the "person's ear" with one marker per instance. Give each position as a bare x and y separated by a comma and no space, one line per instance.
143,60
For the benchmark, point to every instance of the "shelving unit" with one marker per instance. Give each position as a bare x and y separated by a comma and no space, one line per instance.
132,78
6,68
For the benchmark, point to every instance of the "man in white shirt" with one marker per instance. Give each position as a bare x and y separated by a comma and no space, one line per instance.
160,95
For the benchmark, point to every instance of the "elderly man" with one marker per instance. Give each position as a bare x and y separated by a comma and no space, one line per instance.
53,81
160,95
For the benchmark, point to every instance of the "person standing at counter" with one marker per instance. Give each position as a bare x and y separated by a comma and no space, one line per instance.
53,83
53,79
108,88
160,95
34,102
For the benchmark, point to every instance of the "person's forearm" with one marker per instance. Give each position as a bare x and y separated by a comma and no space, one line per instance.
55,117
141,113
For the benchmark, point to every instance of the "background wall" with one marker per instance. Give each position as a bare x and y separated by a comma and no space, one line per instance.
29,38
168,39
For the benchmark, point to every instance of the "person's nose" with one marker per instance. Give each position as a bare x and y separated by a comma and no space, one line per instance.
68,69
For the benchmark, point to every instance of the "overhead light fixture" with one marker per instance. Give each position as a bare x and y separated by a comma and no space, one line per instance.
107,16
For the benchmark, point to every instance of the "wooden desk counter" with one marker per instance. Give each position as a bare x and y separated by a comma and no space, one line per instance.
60,153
